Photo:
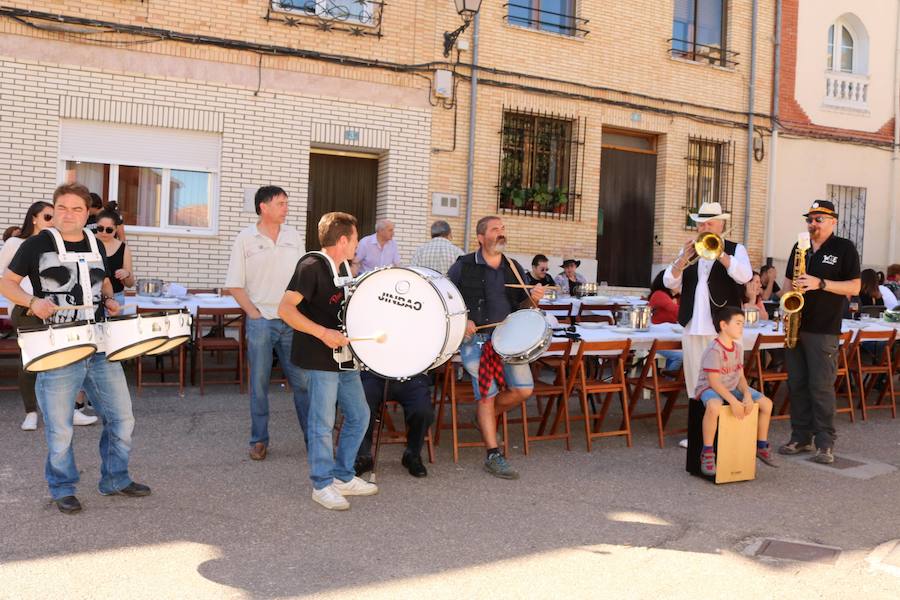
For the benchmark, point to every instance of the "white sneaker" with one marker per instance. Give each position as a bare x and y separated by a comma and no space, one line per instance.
683,443
355,487
330,498
30,422
79,418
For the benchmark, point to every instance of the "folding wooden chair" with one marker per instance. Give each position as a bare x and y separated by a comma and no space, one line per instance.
219,344
768,381
557,309
454,393
159,365
615,355
660,382
555,396
9,348
587,313
387,433
867,375
843,377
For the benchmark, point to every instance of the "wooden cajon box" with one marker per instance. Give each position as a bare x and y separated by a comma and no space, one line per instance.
736,458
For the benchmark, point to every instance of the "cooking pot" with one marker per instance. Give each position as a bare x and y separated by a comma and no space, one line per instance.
635,317
149,287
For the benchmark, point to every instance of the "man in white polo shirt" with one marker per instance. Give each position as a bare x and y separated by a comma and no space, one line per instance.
262,263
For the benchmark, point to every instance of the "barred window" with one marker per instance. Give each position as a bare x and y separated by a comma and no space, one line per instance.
557,16
850,204
362,12
539,164
710,176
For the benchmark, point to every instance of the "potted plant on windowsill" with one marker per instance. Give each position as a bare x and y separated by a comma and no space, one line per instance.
542,198
560,200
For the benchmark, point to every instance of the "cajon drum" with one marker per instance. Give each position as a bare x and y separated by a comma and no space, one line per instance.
735,441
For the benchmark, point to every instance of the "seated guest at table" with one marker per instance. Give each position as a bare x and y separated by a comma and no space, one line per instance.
440,252
11,231
770,291
892,280
722,381
570,280
540,265
872,294
378,249
753,297
663,301
418,413
118,255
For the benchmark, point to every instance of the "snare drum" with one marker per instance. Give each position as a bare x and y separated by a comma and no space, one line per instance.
178,329
421,313
47,347
129,336
522,336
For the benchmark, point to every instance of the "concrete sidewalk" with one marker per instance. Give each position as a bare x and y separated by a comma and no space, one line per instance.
616,523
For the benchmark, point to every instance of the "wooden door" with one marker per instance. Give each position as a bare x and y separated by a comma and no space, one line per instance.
625,224
341,183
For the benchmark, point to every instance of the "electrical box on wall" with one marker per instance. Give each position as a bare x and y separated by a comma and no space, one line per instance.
443,83
445,205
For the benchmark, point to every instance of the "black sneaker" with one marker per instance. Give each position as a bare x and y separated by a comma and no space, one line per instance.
132,490
413,464
824,456
363,464
68,505
792,448
496,465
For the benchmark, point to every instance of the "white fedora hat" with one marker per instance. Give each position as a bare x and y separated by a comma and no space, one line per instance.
709,211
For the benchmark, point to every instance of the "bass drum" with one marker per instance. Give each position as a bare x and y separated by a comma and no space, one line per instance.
420,313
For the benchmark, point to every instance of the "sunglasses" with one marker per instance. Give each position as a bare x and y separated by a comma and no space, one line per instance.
817,219
47,217
106,230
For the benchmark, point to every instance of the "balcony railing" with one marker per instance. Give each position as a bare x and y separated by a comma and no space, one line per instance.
702,53
846,90
524,15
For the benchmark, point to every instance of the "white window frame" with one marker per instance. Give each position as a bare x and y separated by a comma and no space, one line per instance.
164,228
321,11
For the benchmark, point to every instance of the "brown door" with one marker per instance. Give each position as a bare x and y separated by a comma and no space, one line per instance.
341,183
625,223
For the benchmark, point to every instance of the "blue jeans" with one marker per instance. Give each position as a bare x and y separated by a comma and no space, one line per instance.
710,394
329,390
104,383
674,359
264,336
517,376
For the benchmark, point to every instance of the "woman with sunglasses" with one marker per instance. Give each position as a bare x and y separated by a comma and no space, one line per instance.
119,255
38,218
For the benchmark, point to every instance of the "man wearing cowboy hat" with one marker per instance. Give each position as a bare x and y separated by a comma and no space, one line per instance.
569,280
706,286
832,273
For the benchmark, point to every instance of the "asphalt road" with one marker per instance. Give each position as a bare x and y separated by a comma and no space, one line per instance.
617,523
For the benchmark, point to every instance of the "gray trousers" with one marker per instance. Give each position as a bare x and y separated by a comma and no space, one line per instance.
812,367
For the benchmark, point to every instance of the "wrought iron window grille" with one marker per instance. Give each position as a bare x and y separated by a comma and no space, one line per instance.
710,176
545,20
850,204
541,160
356,17
702,53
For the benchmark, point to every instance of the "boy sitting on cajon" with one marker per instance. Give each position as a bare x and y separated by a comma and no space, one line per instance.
722,380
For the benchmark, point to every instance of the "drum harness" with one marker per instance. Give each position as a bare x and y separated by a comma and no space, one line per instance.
83,269
341,355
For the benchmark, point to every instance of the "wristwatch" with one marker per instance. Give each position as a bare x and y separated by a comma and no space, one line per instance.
821,284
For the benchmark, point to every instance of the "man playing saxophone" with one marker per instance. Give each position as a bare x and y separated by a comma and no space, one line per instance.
831,272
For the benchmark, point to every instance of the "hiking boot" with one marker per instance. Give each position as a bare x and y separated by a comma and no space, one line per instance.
496,465
708,462
792,448
824,456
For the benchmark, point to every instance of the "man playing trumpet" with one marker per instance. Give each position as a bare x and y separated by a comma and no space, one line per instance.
708,283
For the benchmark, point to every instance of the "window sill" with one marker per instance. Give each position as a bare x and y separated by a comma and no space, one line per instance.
856,111
160,232
565,36
702,63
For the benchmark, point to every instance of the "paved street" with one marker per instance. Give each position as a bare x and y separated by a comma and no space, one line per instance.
617,523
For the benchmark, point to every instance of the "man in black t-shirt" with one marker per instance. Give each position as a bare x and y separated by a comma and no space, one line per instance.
312,306
58,282
540,266
832,273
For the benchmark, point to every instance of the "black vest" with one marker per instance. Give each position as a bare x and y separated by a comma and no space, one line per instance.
472,287
723,290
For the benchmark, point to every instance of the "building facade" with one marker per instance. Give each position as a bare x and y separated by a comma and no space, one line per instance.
597,125
837,105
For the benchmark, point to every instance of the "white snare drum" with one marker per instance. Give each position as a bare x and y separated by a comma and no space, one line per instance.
47,347
421,313
178,328
522,336
128,336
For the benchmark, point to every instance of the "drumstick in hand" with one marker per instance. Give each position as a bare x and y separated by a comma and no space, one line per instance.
86,306
488,325
528,287
379,338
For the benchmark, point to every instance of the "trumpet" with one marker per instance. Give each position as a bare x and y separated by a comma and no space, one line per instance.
708,245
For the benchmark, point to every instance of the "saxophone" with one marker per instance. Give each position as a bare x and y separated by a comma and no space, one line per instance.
792,302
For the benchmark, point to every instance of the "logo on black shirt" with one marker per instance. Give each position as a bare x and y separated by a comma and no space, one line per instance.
829,259
400,301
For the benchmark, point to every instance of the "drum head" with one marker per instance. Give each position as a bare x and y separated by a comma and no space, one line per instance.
169,345
405,307
60,358
520,332
136,349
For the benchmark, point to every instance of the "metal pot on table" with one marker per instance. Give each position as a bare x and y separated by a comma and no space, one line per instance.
751,316
635,317
150,287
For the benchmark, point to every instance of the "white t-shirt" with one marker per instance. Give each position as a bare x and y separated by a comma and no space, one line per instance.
6,255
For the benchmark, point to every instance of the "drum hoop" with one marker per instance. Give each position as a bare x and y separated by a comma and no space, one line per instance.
49,326
57,351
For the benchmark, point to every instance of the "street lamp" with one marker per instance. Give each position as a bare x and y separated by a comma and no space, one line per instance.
467,9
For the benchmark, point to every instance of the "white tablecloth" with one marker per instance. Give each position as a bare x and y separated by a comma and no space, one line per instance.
189,302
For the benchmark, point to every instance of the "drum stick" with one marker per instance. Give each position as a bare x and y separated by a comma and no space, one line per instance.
379,338
86,306
488,325
528,287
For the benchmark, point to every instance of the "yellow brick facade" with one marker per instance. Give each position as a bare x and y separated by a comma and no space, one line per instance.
620,74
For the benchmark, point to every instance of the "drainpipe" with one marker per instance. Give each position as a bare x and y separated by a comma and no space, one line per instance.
473,109
895,159
773,145
752,92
